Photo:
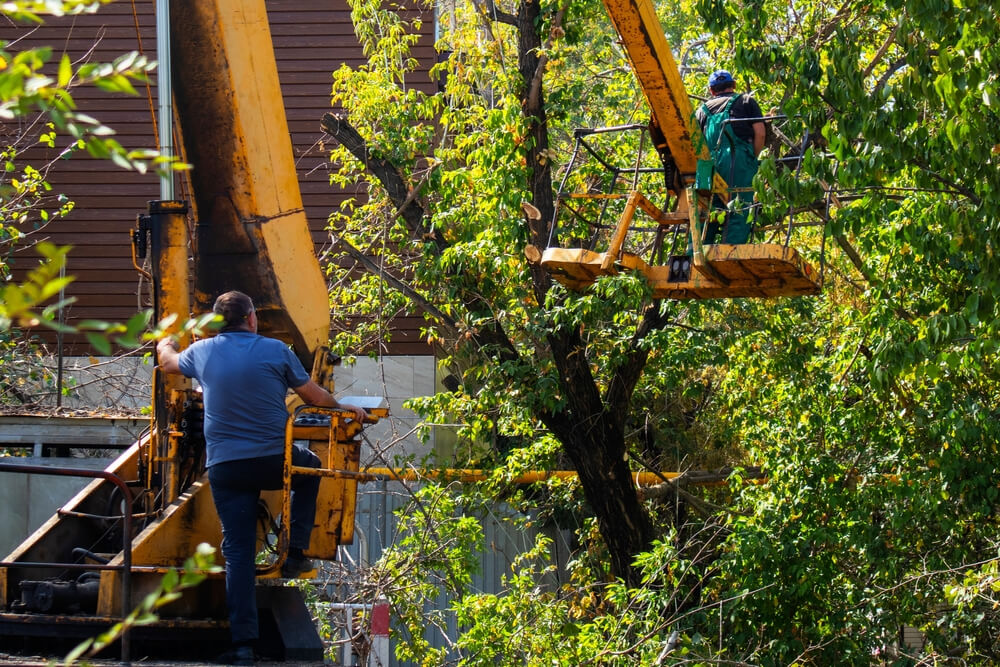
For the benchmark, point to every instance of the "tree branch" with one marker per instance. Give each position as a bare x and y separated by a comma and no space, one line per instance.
973,197
498,15
395,186
690,477
418,299
536,81
415,218
880,53
884,79
828,28
627,375
855,258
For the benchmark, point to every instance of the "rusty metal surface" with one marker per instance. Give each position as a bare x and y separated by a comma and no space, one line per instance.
253,234
169,252
287,633
750,270
166,542
654,67
57,634
753,270
124,590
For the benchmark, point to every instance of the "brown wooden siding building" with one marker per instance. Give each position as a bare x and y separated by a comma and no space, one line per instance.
312,38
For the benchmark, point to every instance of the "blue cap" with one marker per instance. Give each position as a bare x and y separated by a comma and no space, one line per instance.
720,79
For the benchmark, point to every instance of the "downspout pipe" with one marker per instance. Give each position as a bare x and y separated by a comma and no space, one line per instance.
164,88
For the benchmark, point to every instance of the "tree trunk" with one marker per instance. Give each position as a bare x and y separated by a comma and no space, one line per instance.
591,428
531,67
611,493
593,436
592,433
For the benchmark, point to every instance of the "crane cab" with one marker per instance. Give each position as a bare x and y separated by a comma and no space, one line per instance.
605,223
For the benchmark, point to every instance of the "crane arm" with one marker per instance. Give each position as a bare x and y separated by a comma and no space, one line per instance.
252,232
658,76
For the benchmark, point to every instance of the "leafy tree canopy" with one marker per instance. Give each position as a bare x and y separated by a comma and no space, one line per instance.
872,409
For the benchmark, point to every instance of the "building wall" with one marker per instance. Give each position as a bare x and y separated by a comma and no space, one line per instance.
312,38
37,497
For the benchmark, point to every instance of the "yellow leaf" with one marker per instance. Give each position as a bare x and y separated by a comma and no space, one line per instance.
65,71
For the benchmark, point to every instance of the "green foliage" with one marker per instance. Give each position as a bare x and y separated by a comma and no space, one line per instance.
33,86
871,408
533,622
464,152
20,302
973,596
435,556
874,409
526,625
26,88
34,10
24,369
25,197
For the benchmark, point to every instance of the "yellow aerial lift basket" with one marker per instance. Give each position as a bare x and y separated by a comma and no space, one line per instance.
593,234
605,224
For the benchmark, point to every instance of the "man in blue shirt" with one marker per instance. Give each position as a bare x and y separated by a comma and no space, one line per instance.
244,379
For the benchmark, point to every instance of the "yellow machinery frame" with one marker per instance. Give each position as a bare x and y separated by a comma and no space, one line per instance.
252,235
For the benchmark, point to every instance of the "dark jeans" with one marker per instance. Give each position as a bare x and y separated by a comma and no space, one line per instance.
236,487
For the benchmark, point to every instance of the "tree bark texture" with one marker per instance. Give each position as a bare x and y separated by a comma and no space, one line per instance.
531,67
595,438
592,427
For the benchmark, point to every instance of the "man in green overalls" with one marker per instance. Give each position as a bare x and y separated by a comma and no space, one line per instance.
734,130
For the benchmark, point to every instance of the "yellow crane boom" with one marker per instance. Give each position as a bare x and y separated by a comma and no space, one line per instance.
660,81
252,232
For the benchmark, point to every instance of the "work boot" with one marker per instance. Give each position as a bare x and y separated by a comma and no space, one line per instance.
295,566
237,655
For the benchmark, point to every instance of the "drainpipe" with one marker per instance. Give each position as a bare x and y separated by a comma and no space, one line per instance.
165,116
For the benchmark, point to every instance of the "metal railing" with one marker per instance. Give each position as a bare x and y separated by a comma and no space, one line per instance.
125,568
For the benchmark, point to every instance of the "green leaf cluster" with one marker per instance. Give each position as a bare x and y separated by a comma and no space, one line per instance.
434,555
871,409
34,86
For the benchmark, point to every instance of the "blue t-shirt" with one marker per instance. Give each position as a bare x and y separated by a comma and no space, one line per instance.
244,379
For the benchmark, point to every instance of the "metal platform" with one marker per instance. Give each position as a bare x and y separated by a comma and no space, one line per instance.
748,270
